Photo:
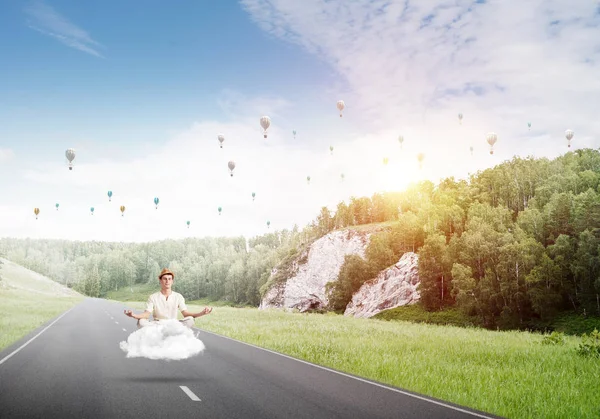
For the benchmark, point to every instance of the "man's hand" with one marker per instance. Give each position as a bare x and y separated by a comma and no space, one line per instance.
129,313
206,310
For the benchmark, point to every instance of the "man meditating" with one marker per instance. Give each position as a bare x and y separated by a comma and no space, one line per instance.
163,305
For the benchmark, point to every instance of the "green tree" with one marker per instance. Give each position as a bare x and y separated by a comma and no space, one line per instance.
379,253
355,271
586,270
464,288
325,222
92,283
544,289
435,273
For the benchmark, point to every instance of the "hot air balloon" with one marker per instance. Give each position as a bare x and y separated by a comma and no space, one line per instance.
385,161
221,138
401,140
156,201
308,179
56,206
331,150
569,135
420,158
491,139
294,132
471,149
92,210
529,125
253,195
220,209
122,210
265,123
231,166
109,195
188,224
70,154
268,224
340,105
342,176
460,117
36,211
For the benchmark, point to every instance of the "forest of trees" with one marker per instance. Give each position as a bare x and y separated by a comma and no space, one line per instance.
513,244
215,268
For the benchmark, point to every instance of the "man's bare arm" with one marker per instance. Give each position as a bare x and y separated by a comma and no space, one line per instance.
204,312
144,315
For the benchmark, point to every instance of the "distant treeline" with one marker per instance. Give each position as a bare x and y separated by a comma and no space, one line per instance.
514,244
215,268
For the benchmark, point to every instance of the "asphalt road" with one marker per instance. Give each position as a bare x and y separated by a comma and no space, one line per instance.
74,368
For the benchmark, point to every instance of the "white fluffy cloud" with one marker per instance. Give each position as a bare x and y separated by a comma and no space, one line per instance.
167,340
413,66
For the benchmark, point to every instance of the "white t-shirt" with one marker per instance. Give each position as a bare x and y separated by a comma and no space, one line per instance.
163,308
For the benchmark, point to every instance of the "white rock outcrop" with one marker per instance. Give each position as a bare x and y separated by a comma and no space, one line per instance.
318,265
393,287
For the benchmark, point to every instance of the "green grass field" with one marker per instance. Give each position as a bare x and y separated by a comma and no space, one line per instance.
29,300
510,374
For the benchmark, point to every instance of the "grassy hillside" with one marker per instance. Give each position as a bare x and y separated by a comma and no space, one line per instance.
22,279
29,300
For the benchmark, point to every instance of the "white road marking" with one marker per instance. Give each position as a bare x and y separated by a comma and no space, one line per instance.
124,330
356,378
190,394
29,341
116,322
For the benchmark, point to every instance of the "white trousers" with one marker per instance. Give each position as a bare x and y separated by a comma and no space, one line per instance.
187,321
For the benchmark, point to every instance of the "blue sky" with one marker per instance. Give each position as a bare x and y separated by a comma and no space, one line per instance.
141,90
162,67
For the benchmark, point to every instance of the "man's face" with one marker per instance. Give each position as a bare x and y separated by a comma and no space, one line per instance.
166,281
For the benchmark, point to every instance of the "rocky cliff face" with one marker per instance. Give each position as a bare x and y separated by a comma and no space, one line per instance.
393,287
318,265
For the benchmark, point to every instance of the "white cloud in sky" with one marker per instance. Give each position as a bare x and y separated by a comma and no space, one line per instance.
6,154
416,65
408,69
44,19
235,105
